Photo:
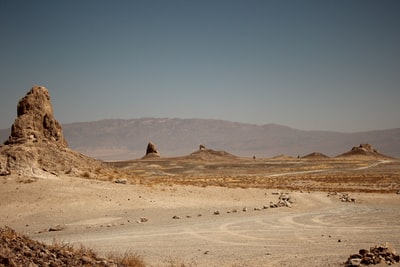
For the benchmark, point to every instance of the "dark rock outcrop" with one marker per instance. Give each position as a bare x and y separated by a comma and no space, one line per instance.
151,151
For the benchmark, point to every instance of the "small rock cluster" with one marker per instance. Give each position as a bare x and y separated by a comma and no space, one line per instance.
121,181
375,255
344,197
143,220
18,250
284,201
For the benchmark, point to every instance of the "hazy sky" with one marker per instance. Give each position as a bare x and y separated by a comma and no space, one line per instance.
313,65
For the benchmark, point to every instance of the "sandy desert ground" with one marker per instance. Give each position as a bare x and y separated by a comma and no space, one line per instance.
317,230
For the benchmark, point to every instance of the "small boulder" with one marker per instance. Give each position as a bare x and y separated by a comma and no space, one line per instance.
3,166
144,219
121,181
353,262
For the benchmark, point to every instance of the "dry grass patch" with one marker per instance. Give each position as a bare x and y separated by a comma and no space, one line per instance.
128,259
19,250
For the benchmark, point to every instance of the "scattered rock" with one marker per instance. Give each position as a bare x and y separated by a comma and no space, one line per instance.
332,194
56,228
216,212
244,209
86,259
284,201
144,219
121,181
175,217
354,262
344,197
375,255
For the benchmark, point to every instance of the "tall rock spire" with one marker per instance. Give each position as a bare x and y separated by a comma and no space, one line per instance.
35,121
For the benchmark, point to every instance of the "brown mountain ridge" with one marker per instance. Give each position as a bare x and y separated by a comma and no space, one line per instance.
117,139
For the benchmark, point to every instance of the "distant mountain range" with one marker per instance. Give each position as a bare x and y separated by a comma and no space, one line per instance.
116,139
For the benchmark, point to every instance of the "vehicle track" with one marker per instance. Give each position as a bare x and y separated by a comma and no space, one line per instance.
272,237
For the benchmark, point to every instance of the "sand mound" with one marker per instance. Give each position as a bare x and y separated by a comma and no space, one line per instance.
36,146
315,156
283,157
209,154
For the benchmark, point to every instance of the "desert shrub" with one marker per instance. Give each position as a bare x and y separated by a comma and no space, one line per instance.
86,175
128,259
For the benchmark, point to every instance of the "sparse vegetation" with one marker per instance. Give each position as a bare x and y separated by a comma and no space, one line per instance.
19,250
303,175
128,259
86,175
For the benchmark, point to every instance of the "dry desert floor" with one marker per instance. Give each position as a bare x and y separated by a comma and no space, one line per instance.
174,216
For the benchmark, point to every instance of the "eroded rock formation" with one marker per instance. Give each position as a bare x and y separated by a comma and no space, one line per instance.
36,146
35,121
152,150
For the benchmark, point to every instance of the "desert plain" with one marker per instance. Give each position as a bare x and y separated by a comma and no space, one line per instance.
213,209
208,208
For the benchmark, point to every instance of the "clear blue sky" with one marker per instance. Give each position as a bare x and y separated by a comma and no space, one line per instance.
313,65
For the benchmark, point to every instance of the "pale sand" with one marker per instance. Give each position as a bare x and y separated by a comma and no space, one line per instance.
317,231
